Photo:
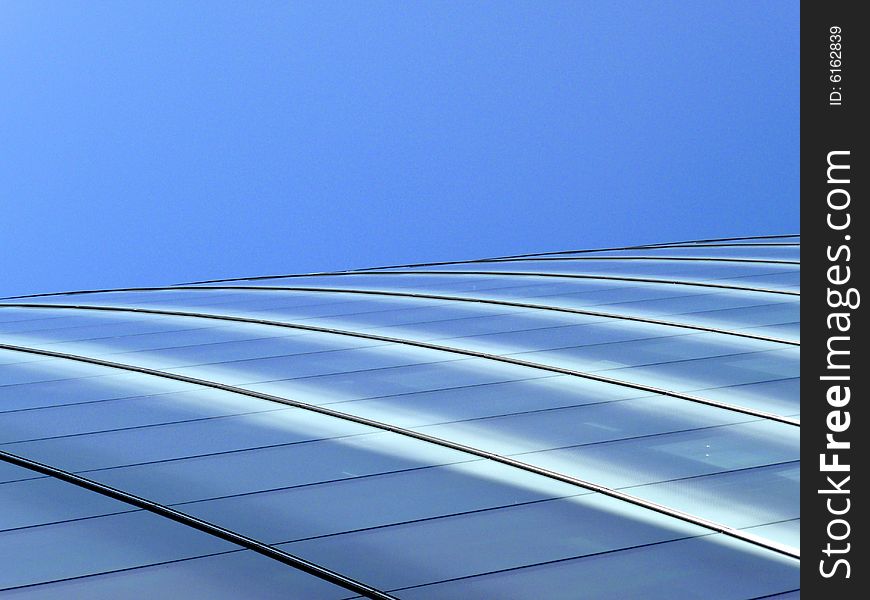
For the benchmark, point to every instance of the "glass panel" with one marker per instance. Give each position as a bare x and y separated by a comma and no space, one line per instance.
231,473
743,499
783,330
92,546
9,357
616,351
183,353
461,313
315,364
740,499
377,383
9,472
577,293
235,456
260,469
373,310
780,397
682,270
51,369
673,456
652,299
583,425
715,307
32,499
533,327
786,281
737,252
770,314
241,574
310,511
192,438
437,322
691,568
127,414
88,325
753,367
31,319
61,392
10,315
486,400
202,433
204,338
492,540
51,531
787,532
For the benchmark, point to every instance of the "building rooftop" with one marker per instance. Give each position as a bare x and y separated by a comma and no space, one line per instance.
583,424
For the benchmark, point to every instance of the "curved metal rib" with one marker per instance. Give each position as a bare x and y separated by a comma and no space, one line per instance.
377,271
731,239
763,261
391,294
445,272
729,531
198,524
541,256
531,274
691,244
662,246
711,244
440,348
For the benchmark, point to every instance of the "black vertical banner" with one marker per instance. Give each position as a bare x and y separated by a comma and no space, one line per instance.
835,434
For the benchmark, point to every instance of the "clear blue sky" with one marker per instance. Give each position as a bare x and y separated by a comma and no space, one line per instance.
149,142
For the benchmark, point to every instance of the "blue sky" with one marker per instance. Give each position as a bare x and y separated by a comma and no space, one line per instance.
148,143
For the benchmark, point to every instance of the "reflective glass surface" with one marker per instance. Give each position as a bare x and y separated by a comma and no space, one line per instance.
60,540
470,474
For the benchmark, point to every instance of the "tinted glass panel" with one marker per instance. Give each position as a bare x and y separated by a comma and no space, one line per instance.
403,513
682,569
481,542
240,574
92,546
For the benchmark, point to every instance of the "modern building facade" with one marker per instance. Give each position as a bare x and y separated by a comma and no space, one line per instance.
588,424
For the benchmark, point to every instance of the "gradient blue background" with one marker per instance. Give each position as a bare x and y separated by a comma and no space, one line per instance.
147,143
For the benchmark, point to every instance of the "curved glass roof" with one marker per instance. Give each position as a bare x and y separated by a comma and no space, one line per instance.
610,423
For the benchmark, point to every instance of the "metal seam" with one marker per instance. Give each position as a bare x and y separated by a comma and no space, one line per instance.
683,244
535,274
198,524
345,273
449,349
729,531
765,261
494,302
